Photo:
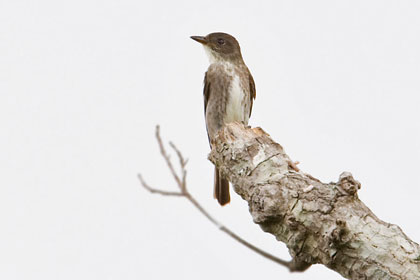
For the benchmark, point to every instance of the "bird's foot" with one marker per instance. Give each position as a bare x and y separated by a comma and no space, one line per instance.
293,165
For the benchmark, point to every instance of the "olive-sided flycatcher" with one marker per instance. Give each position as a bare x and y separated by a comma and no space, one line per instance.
229,91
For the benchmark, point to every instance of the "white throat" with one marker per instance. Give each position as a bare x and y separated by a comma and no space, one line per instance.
212,55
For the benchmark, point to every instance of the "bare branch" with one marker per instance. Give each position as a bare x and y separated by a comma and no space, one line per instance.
153,190
182,163
182,185
166,156
319,223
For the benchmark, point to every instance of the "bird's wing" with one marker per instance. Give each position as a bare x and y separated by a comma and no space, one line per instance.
206,92
253,92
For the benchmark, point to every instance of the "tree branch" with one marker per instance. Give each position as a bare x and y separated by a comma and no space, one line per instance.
319,223
183,192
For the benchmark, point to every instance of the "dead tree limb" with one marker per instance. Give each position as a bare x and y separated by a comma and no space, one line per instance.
181,182
320,223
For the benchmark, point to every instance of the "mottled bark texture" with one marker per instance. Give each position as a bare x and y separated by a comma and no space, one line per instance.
320,223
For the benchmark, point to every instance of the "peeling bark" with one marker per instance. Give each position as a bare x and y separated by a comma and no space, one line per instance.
320,223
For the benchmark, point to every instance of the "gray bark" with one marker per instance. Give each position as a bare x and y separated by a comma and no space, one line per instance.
323,223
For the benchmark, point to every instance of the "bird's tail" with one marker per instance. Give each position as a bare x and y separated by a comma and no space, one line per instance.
221,188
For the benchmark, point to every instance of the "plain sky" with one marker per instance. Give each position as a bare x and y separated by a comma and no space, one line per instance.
83,84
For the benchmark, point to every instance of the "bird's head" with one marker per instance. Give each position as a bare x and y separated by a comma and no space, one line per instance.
220,47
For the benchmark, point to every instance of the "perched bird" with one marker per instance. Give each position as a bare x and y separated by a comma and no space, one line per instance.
229,91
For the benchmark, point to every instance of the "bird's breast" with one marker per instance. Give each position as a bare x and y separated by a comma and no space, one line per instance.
236,101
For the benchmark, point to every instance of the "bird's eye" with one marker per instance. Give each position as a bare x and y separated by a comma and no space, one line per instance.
220,41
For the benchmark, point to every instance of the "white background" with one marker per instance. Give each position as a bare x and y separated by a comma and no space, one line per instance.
83,84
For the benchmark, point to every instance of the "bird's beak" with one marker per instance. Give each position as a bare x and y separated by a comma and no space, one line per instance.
200,39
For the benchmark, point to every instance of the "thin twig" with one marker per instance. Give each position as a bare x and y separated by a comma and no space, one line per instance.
291,265
166,156
256,249
182,163
153,190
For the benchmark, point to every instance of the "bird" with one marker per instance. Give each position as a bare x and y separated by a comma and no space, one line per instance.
229,92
